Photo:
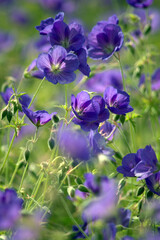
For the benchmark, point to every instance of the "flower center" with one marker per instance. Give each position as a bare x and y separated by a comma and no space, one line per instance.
55,69
109,48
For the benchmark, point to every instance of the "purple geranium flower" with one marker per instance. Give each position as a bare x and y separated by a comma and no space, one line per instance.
156,80
141,164
74,144
88,112
69,36
58,65
153,183
117,101
78,233
105,39
34,72
10,209
24,99
6,94
140,3
100,81
104,203
98,145
109,232
107,130
124,216
38,118
46,25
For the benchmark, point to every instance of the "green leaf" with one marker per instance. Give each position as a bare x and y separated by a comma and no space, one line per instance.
140,191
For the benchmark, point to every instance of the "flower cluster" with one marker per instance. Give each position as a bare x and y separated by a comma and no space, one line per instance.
89,113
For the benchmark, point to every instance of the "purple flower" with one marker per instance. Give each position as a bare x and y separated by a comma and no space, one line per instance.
74,144
69,36
104,203
58,66
10,209
106,129
78,233
100,81
105,39
153,183
6,41
109,232
33,72
38,118
24,99
6,94
88,112
98,145
141,164
82,57
140,3
124,216
29,228
127,238
156,80
117,101
46,25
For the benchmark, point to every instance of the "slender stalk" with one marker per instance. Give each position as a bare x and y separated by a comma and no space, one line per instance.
7,154
71,217
35,191
15,170
23,176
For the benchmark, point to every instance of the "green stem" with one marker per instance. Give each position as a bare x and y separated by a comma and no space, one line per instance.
16,168
7,154
23,176
71,217
35,191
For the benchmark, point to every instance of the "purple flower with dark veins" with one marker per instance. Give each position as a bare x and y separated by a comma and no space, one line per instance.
10,209
117,101
31,70
140,3
58,66
89,113
46,25
38,118
105,39
69,36
142,164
